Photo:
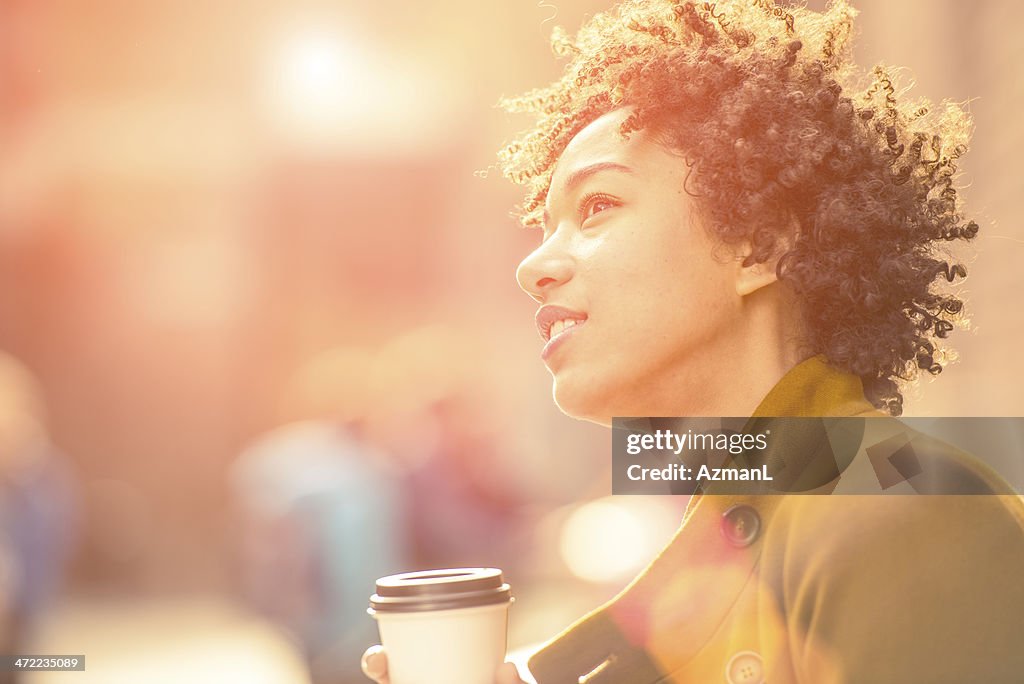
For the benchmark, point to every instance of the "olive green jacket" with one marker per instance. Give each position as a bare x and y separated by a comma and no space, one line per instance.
818,589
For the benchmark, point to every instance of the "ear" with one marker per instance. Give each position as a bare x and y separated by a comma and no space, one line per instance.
750,279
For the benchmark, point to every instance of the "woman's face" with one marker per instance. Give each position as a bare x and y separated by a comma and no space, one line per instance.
639,305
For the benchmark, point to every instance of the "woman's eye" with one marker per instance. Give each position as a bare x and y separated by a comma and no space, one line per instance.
594,205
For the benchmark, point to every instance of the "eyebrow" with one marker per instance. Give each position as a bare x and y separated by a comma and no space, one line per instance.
582,174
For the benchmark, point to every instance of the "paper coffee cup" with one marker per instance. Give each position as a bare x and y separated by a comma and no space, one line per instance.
443,626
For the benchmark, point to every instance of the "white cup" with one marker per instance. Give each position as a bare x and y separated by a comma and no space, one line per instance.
443,626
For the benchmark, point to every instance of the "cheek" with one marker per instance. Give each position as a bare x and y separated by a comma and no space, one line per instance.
645,278
678,280
670,309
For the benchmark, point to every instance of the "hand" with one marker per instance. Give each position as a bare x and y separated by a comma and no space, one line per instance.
375,666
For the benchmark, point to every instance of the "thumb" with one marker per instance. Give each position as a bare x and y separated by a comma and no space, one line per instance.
375,664
507,674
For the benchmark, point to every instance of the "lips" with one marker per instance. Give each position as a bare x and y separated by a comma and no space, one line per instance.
552,320
556,325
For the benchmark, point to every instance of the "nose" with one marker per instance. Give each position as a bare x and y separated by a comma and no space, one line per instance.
546,268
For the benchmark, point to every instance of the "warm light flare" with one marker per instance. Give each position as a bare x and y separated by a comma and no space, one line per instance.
312,75
328,91
606,541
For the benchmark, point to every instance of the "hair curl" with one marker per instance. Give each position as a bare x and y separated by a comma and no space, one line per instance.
759,98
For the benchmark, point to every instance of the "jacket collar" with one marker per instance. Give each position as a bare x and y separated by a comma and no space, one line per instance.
812,389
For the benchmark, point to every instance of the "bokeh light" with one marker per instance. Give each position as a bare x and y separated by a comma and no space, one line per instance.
318,76
612,538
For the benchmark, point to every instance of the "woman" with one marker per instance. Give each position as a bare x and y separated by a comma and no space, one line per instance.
730,228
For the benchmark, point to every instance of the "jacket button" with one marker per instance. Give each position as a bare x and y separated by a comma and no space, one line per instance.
745,668
741,525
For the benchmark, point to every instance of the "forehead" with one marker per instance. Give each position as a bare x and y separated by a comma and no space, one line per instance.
601,141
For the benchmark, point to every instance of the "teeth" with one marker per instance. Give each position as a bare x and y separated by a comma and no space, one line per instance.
558,326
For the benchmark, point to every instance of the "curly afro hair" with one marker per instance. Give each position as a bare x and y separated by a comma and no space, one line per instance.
779,129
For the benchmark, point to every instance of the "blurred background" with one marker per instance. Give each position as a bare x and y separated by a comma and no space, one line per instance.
262,336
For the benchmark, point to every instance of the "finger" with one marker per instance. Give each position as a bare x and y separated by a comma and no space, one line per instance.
375,664
507,674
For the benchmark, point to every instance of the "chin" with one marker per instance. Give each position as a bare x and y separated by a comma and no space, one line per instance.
582,403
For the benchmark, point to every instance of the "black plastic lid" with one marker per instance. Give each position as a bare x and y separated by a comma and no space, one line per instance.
413,592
